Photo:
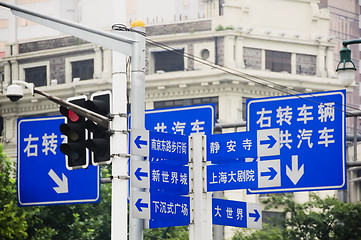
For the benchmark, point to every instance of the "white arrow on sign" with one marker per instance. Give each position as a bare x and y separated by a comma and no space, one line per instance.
139,142
295,174
62,184
268,143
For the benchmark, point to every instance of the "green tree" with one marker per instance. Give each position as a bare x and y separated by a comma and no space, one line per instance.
317,219
79,221
12,219
169,233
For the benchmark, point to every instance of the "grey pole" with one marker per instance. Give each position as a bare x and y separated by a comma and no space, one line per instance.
119,140
137,100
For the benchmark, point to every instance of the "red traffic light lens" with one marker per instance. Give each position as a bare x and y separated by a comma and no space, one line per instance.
73,116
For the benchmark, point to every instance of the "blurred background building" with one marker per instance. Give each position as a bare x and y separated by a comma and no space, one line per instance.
291,43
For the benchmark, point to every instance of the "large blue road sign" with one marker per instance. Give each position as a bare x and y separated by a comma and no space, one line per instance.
43,178
160,177
159,145
237,214
242,146
181,120
312,141
162,210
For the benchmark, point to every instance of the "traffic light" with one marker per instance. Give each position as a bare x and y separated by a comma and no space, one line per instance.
99,140
76,134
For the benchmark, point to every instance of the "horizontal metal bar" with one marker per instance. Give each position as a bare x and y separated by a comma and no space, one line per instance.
350,137
356,179
353,163
231,125
356,113
100,119
105,180
354,168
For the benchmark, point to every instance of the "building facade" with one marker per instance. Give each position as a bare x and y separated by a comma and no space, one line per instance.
253,49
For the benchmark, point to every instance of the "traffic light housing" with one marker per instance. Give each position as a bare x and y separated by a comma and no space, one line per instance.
76,135
99,140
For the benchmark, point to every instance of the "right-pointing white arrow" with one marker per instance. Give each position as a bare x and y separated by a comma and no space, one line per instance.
295,174
62,184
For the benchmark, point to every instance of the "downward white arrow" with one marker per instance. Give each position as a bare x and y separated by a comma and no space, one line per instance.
295,174
62,184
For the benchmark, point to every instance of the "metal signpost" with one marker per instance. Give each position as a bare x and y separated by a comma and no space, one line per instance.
43,178
312,141
293,143
131,44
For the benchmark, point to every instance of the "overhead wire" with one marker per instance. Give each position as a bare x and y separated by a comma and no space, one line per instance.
247,76
235,72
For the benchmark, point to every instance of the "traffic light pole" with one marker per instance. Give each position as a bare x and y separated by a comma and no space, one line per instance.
131,44
119,139
99,119
136,225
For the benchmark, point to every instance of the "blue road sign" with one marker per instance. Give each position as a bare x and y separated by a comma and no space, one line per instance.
242,146
162,210
160,177
237,214
169,178
43,178
311,137
232,176
181,120
159,145
231,146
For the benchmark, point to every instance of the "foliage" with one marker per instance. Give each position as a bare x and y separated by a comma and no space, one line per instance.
317,219
170,233
221,28
12,219
80,221
268,232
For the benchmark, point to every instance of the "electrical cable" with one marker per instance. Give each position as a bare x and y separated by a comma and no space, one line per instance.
234,72
283,89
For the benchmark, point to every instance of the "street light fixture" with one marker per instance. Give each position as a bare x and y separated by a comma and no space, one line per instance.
346,68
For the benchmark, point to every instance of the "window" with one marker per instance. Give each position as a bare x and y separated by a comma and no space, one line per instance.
188,102
278,61
169,61
252,58
306,64
83,69
244,108
36,75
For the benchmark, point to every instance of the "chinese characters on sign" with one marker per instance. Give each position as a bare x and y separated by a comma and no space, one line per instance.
181,120
311,141
169,178
168,210
236,213
232,176
305,117
43,178
48,144
168,146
